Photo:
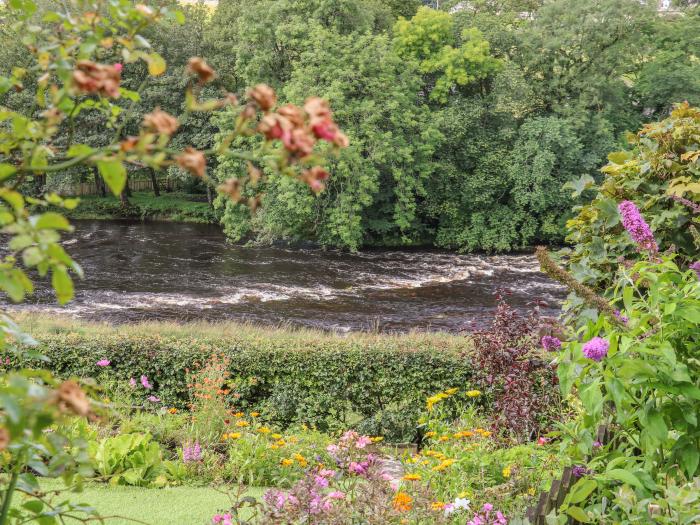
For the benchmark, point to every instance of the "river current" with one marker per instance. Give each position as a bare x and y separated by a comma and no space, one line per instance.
149,271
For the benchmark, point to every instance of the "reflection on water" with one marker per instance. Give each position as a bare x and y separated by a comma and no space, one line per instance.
137,271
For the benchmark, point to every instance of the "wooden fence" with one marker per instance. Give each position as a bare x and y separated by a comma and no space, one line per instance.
553,499
90,188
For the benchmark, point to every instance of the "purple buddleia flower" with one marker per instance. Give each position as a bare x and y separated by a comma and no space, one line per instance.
638,229
696,268
551,343
622,318
579,471
596,348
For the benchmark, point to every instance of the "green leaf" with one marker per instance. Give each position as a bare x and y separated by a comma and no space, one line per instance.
578,514
6,170
619,157
625,476
156,64
114,174
62,284
53,221
79,150
690,457
581,490
656,425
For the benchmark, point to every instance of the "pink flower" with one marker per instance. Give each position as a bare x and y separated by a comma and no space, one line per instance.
327,473
356,468
103,362
637,227
118,67
696,268
218,518
395,484
542,441
145,383
132,382
332,449
154,399
488,507
596,349
337,494
551,343
363,441
321,481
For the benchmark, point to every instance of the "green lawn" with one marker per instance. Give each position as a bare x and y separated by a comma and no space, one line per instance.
168,506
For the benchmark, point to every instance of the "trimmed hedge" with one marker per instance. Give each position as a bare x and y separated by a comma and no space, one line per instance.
376,383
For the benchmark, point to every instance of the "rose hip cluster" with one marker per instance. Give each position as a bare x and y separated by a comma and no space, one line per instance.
104,79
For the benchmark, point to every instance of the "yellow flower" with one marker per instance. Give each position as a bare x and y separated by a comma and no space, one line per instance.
425,462
444,438
451,391
241,423
506,472
463,494
172,410
446,463
264,430
234,435
437,505
274,447
300,459
280,443
377,439
238,414
531,491
276,436
287,462
412,477
430,434
432,400
254,414
473,393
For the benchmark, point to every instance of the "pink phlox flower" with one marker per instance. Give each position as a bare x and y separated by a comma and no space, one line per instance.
550,343
103,362
132,382
118,67
320,481
337,494
145,383
154,399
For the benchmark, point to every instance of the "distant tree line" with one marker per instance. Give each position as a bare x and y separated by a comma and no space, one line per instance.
466,123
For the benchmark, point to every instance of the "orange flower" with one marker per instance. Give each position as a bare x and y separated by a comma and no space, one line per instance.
70,398
192,161
89,77
264,96
197,66
160,122
403,502
172,410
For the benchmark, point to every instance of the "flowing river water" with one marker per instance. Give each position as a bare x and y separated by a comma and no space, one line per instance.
165,271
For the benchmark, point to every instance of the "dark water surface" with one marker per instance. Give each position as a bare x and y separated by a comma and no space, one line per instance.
136,271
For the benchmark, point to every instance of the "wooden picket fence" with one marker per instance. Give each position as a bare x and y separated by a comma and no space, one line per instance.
90,188
553,499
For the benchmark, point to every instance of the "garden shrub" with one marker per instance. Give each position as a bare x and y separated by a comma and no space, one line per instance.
327,382
660,175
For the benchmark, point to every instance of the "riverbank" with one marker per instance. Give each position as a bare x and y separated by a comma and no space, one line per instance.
172,207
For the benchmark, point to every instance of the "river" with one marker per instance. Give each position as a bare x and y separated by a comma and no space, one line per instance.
149,271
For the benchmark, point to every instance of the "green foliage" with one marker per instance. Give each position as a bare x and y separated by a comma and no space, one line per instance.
664,162
326,382
645,390
128,459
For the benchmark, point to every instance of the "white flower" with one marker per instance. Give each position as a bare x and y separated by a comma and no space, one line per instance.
462,503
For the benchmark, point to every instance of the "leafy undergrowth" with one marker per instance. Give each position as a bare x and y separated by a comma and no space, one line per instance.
176,207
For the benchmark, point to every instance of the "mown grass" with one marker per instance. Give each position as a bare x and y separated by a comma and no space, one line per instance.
168,506
176,207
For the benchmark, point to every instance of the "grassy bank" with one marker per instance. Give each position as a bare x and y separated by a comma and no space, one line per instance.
377,383
176,207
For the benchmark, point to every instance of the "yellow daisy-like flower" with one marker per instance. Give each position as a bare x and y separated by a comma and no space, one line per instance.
264,430
430,434
437,505
300,459
444,464
287,462
377,439
280,442
451,391
276,436
274,447
172,410
242,423
238,414
506,472
531,491
425,462
463,494
444,438
473,393
412,477
254,414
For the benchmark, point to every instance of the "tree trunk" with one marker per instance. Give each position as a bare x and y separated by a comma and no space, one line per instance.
99,183
154,181
210,197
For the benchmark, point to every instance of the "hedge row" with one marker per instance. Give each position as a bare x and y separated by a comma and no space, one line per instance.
375,383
